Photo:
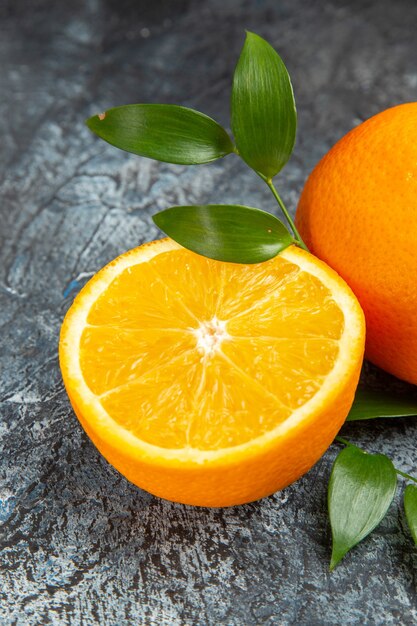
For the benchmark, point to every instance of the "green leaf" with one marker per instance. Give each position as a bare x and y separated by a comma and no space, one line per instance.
361,489
369,404
165,132
410,506
238,234
264,118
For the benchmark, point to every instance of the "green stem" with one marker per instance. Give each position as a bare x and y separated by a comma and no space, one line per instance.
345,442
404,475
285,211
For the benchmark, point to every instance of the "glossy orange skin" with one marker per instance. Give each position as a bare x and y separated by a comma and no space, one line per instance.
358,213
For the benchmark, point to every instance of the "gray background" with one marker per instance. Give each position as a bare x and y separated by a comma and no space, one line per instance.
80,545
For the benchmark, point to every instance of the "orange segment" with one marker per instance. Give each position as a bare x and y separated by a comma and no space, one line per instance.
111,356
158,406
298,366
300,306
212,383
246,286
140,300
182,275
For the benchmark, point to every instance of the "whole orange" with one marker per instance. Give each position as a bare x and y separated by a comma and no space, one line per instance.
358,213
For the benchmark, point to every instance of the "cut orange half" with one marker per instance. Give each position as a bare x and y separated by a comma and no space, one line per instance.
212,383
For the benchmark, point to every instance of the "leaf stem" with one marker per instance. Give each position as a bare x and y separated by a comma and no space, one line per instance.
285,211
405,475
345,442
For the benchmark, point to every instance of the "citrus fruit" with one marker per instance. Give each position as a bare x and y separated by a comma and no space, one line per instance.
212,383
358,213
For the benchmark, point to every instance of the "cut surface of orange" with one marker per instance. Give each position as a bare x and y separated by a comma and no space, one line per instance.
212,383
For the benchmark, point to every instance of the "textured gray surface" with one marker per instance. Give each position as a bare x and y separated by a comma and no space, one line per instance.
80,545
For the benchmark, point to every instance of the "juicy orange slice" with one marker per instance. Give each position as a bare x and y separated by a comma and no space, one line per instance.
212,383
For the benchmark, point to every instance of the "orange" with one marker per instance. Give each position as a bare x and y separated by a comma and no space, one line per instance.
212,383
358,212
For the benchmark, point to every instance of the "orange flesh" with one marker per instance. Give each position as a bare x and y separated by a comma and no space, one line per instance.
185,352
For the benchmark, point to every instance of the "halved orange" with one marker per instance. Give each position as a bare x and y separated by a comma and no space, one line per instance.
212,383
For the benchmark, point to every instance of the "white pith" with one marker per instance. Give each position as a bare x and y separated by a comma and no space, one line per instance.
210,336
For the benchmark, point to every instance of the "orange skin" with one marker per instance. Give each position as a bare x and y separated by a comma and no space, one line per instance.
358,213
